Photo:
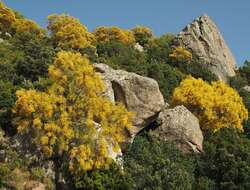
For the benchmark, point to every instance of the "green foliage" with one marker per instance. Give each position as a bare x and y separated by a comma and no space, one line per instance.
167,77
246,99
25,57
121,56
225,162
7,100
160,48
158,165
8,57
10,163
245,71
197,70
112,179
143,35
237,82
37,55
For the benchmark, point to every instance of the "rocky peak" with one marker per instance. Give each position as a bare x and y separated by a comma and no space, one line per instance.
205,41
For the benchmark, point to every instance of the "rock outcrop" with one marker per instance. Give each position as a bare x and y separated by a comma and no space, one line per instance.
203,38
139,94
179,125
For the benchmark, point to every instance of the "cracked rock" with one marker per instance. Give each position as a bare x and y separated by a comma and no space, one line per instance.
141,95
205,41
179,125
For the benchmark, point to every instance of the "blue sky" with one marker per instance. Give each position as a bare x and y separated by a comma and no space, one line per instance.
162,16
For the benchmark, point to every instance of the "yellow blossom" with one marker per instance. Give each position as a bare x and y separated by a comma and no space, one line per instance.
72,116
217,105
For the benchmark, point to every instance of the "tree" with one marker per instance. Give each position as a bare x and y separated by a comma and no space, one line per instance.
246,99
72,121
238,82
112,179
245,71
217,105
224,165
121,56
105,34
181,54
158,165
7,100
37,55
198,70
168,77
7,17
68,33
159,48
12,23
27,26
142,35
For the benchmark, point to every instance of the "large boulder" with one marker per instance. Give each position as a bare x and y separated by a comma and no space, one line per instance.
179,125
204,39
139,94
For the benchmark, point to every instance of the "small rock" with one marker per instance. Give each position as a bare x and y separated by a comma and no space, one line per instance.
139,47
246,88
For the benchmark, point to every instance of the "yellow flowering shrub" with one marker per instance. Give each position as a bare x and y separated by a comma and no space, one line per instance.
217,105
181,54
142,34
105,34
7,17
72,117
26,25
68,32
9,22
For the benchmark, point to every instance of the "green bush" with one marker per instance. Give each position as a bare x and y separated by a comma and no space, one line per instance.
245,71
158,165
7,100
112,179
225,162
8,57
246,99
167,77
197,70
121,56
37,55
159,49
237,82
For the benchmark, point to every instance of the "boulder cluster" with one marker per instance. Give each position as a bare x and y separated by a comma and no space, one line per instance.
142,96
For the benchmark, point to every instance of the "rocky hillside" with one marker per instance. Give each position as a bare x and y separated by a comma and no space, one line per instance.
116,109
204,39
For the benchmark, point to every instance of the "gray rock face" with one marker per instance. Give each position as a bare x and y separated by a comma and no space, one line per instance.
203,38
179,125
140,95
